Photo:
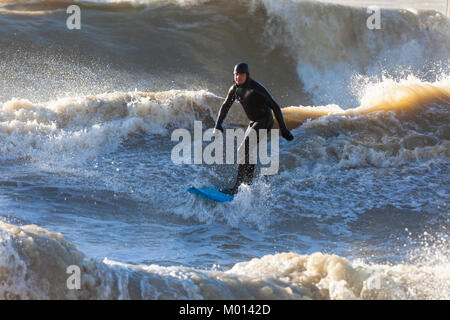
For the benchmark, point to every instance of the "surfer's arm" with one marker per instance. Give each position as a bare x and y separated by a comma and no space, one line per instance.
225,107
277,111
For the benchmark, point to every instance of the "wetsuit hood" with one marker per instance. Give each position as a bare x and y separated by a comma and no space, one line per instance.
242,67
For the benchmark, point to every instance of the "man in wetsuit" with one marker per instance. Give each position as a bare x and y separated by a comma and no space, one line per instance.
258,105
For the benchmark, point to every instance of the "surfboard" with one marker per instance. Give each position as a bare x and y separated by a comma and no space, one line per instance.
211,194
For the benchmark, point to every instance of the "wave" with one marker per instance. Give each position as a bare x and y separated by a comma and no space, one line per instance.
34,264
9,4
353,97
335,50
406,116
411,5
112,2
305,51
92,124
406,95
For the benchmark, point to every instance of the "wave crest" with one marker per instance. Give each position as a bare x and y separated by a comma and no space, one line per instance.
34,262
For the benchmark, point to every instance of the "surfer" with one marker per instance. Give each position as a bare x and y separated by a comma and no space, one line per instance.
258,105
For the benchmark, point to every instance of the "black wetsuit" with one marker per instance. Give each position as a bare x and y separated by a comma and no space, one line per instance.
258,105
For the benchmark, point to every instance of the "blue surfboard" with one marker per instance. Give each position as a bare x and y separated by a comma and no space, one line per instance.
211,194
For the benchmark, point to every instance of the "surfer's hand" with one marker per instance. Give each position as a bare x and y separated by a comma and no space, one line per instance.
285,133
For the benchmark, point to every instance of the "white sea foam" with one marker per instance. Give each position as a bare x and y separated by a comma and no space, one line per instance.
34,261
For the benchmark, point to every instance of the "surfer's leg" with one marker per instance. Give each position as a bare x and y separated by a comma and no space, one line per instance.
249,169
246,170
243,168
